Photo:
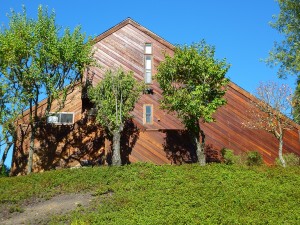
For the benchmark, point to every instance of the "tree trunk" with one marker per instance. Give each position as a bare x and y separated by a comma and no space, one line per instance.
8,145
200,146
31,149
280,151
116,157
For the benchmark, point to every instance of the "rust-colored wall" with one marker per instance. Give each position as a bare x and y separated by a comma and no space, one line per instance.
165,141
228,130
60,146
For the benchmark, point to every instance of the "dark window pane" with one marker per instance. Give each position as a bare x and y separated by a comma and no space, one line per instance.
148,109
66,118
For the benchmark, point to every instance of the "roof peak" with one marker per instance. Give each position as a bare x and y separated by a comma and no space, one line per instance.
132,22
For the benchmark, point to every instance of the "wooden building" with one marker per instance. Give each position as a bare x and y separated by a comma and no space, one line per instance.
153,135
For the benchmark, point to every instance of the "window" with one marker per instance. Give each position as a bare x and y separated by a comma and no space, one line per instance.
148,114
148,49
148,63
61,118
148,69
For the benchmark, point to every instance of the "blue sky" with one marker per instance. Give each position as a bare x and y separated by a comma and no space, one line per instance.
239,29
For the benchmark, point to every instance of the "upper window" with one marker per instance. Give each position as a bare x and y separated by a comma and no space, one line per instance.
148,69
148,63
148,114
148,49
59,118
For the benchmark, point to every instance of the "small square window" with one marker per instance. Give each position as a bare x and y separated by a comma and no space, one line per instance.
148,48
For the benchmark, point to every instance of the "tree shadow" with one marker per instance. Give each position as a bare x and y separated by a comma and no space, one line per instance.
213,155
129,137
179,147
65,145
60,146
20,153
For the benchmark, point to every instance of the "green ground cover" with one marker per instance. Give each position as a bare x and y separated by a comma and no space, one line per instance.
149,194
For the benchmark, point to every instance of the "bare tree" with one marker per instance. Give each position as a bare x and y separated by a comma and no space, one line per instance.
271,111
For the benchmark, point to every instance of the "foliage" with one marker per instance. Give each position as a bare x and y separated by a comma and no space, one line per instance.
150,194
4,171
36,60
286,53
268,112
115,97
254,158
290,159
296,103
193,84
229,157
10,108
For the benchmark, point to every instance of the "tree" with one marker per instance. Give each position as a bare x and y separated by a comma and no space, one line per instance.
268,112
35,60
193,84
7,119
115,97
10,108
286,53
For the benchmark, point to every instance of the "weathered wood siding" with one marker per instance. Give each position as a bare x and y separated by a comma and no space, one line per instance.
164,141
124,47
58,145
228,130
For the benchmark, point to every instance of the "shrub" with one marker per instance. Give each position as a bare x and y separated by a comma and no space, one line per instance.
254,158
4,171
290,159
229,157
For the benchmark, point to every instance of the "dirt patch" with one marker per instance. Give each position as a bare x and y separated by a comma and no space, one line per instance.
37,212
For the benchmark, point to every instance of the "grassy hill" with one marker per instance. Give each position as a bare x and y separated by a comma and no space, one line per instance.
150,194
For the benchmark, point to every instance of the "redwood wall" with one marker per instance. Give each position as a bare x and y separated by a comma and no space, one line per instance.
165,141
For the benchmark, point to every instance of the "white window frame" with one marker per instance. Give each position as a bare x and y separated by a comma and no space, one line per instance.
148,46
145,114
59,118
148,57
148,71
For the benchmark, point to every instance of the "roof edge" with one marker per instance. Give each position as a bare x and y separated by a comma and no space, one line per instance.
136,25
253,98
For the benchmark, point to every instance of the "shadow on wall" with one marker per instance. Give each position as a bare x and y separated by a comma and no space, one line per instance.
129,138
180,148
59,146
20,153
64,146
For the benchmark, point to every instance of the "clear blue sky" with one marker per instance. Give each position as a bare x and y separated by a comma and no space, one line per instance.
239,29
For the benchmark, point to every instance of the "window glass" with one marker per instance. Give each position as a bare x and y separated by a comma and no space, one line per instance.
61,118
148,63
148,114
148,48
148,78
148,69
66,118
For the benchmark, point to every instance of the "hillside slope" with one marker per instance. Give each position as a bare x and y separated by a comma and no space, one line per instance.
150,194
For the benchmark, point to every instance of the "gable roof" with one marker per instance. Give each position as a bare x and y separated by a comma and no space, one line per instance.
139,27
171,47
